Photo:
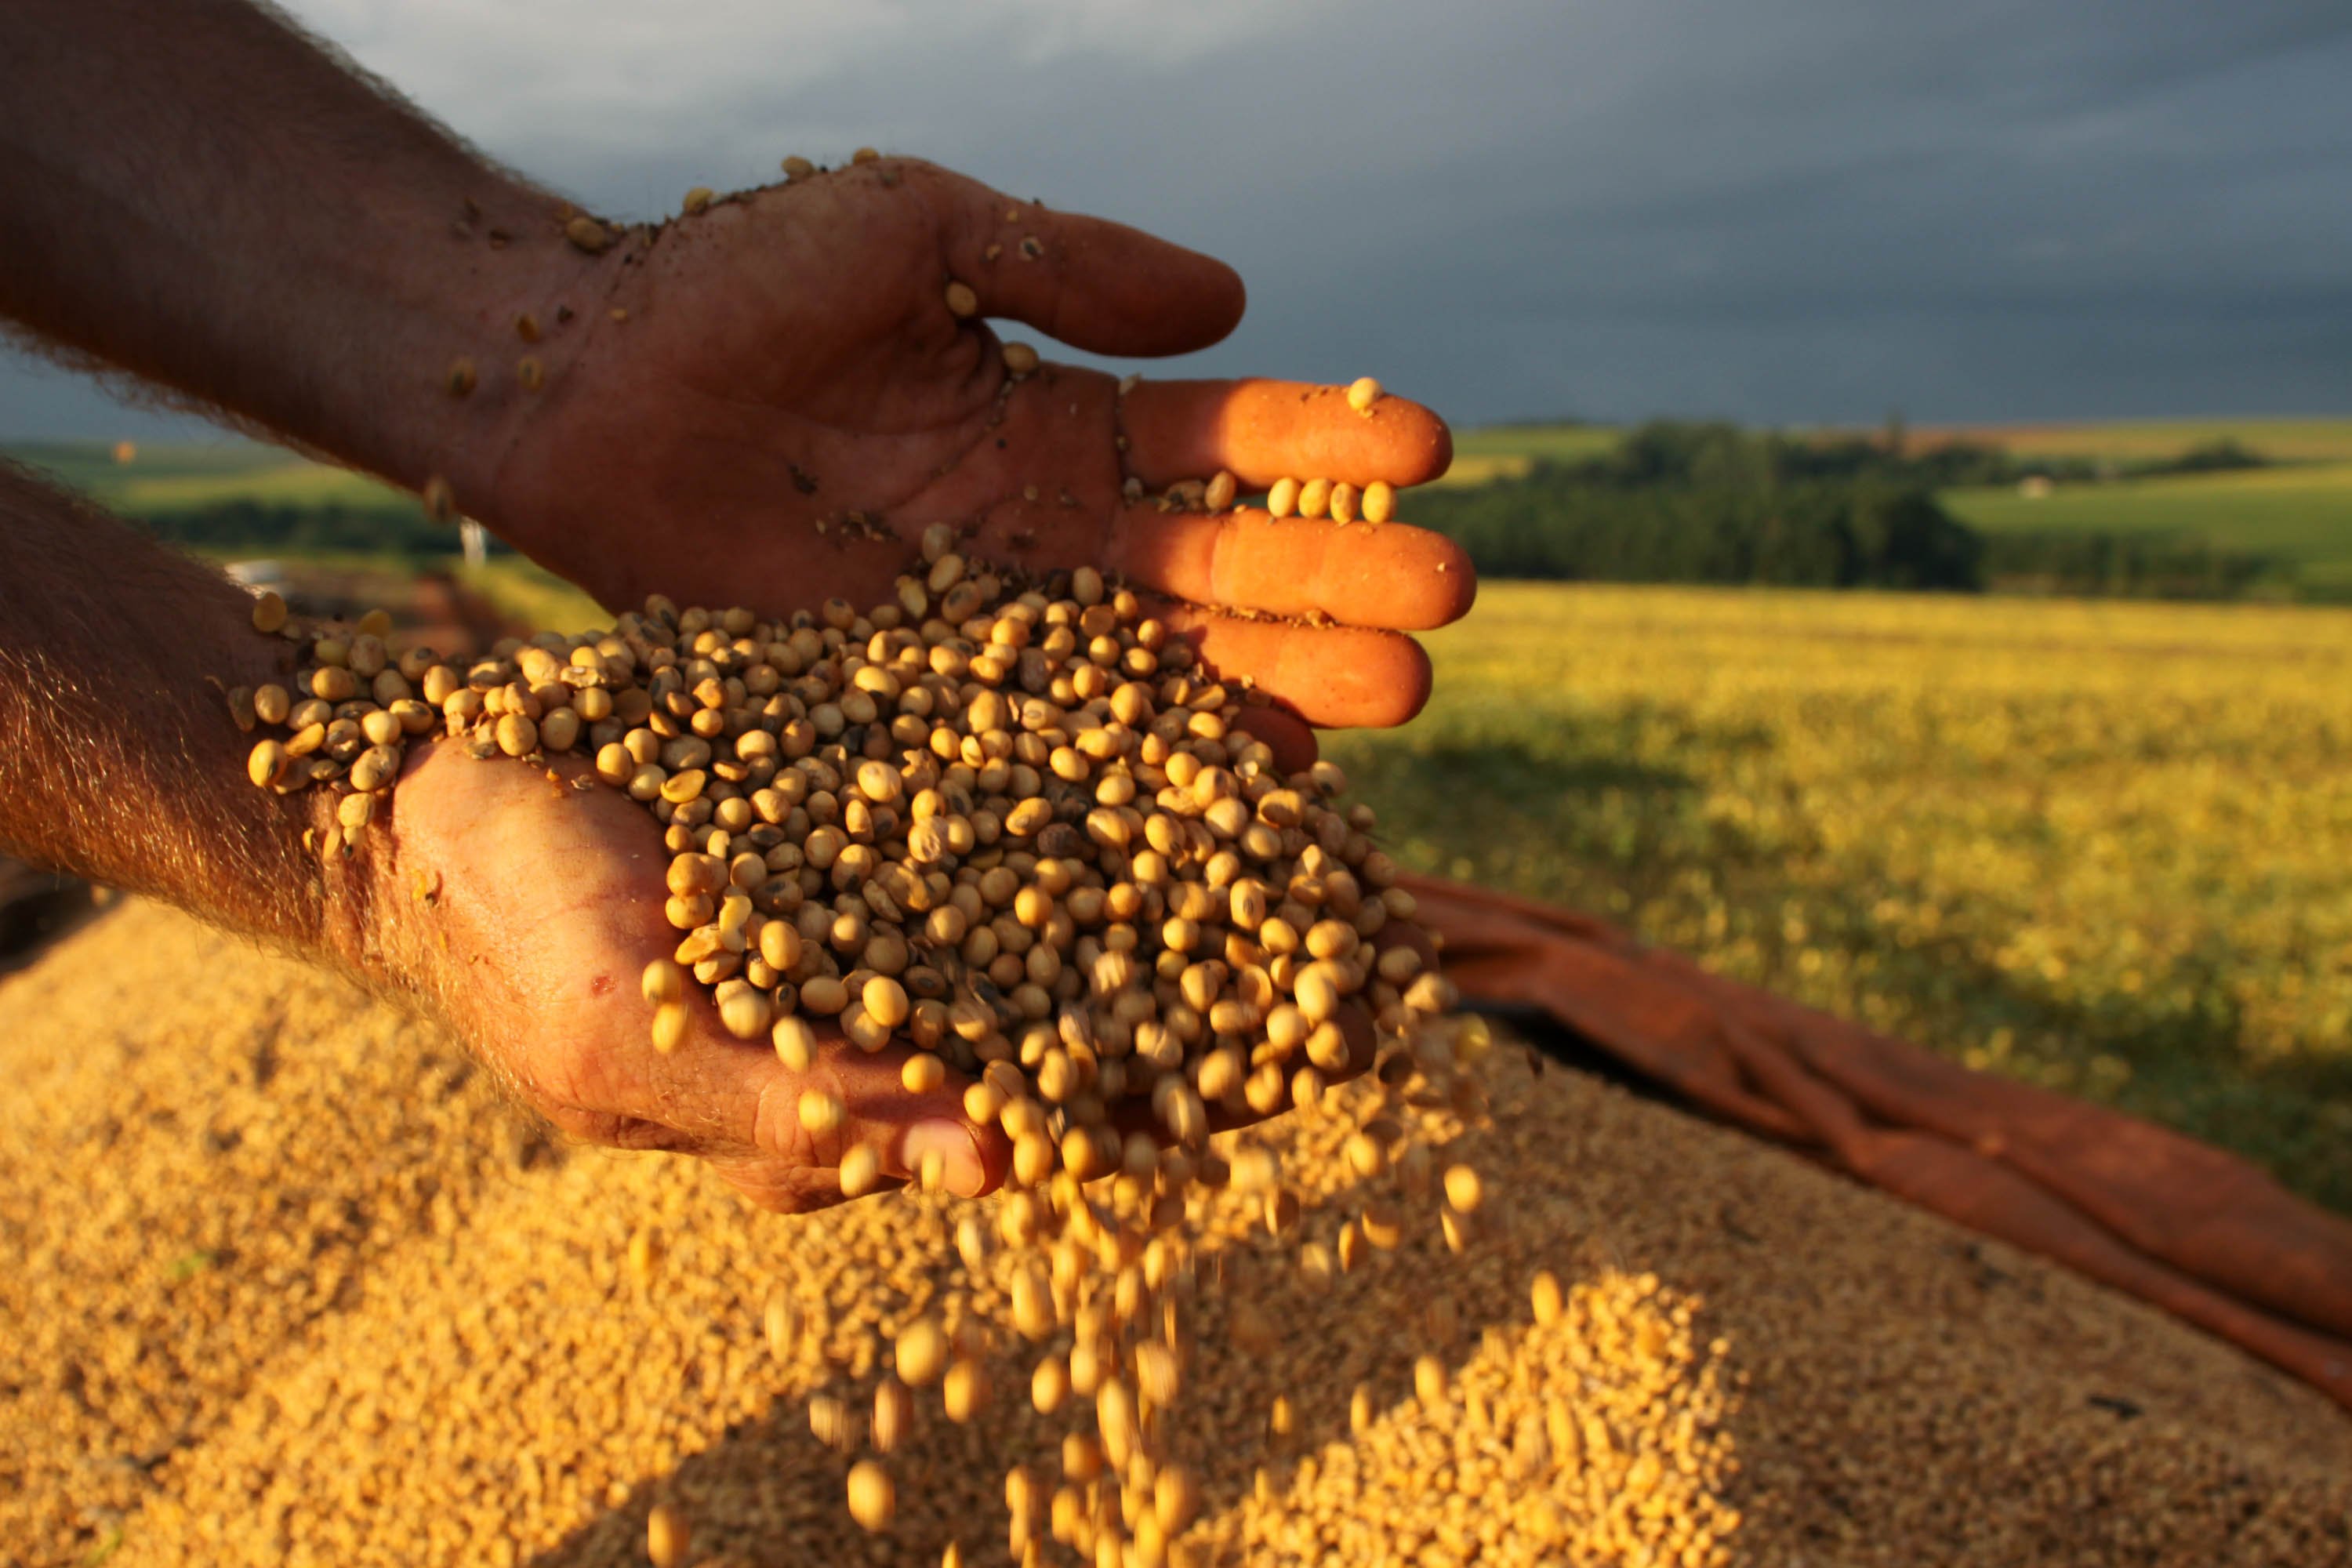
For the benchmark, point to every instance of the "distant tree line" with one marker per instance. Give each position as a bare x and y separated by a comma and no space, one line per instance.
2123,565
1712,504
1680,502
258,528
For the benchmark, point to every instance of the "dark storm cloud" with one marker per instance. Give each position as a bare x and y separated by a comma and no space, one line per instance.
1794,211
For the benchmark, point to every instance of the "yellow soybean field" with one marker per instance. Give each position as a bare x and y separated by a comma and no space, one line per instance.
2104,847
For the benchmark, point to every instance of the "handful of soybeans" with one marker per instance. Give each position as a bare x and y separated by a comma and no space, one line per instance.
1013,823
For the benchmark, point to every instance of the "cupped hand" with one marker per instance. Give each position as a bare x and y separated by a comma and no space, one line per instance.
524,909
767,401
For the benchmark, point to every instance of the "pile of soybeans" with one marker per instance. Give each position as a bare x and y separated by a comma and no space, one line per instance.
290,1283
295,1285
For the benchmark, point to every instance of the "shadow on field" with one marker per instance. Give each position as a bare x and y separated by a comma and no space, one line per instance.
767,1492
2178,1059
1552,803
1545,803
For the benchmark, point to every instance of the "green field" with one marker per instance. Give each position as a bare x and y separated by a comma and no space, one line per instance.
183,476
1505,451
2124,441
2099,846
163,479
1509,448
2300,514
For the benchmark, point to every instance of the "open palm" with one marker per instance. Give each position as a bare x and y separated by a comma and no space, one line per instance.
785,399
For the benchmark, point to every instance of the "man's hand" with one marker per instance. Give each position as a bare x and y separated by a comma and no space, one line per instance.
786,400
517,908
323,262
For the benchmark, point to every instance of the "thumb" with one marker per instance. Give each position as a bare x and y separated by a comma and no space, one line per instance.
905,1128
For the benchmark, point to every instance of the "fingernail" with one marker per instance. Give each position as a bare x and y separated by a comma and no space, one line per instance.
952,1142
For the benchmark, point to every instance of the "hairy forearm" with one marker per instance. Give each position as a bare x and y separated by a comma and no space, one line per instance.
119,761
194,193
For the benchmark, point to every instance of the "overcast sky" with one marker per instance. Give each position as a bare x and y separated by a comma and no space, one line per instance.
1785,211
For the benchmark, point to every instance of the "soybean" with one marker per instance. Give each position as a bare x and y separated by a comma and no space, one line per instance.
873,1500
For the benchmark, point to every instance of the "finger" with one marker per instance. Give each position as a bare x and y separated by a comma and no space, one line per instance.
1095,285
904,1128
743,1105
781,1187
1290,737
1331,677
1405,579
1261,431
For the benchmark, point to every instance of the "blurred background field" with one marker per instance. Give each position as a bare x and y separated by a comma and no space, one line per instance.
2182,509
2064,832
242,502
2101,847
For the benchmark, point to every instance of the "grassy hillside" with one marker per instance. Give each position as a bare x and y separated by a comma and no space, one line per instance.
2123,442
1505,451
2098,846
2301,514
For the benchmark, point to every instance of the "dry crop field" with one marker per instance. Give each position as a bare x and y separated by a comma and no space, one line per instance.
2104,847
